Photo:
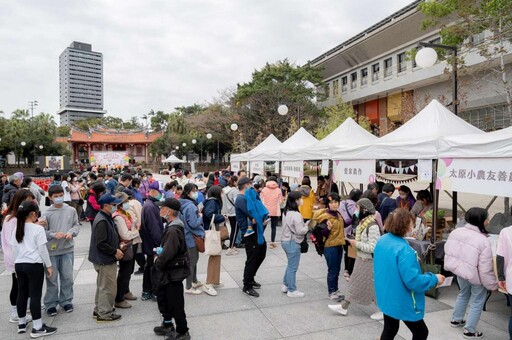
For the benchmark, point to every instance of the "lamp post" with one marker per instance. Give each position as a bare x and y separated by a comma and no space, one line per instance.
283,111
40,147
22,147
427,57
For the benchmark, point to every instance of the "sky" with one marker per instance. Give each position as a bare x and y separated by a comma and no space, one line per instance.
161,54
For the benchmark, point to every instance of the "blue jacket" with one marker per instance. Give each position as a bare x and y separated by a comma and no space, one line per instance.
387,206
152,227
211,207
258,211
399,284
193,222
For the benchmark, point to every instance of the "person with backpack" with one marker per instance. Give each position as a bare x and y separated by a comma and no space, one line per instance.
387,204
360,286
309,199
347,209
212,214
331,240
294,231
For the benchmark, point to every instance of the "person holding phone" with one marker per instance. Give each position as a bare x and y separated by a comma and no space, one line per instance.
31,259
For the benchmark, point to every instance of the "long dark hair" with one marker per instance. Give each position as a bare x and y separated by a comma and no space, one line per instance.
216,192
477,217
19,196
291,201
232,181
24,210
187,190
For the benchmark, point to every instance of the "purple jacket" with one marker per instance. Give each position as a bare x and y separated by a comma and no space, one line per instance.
468,254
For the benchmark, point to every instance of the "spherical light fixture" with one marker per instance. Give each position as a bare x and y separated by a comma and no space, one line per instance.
282,110
194,141
209,136
23,143
41,147
234,127
177,147
184,144
426,57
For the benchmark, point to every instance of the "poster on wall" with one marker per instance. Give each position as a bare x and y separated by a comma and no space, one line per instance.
235,166
491,176
55,162
272,167
109,158
293,169
424,171
362,171
257,167
325,167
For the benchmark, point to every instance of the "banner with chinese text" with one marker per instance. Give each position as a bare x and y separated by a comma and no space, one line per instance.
257,167
235,167
109,158
293,169
491,176
362,171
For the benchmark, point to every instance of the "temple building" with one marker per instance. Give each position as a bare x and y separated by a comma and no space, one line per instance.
88,146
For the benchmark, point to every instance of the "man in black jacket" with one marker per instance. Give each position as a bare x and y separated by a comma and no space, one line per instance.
104,253
172,264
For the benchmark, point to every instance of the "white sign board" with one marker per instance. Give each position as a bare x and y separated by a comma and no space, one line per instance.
424,170
293,169
362,171
325,167
490,176
109,157
235,166
257,167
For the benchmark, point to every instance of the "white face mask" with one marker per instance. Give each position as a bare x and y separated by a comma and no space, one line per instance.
126,206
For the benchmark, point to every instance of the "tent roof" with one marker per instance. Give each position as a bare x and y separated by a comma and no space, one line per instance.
269,144
292,148
173,159
416,139
496,144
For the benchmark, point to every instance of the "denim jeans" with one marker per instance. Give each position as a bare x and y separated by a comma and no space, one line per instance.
475,295
333,256
510,319
292,250
63,274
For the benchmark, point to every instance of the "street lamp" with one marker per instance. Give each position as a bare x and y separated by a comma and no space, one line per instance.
427,57
194,141
177,147
184,144
23,144
283,111
234,127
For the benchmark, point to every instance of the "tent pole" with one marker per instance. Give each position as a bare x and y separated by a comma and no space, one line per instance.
454,207
435,198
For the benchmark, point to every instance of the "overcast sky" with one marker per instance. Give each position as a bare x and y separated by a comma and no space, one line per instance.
163,54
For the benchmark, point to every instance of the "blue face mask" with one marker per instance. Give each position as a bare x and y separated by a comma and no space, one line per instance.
58,200
113,209
356,213
126,206
159,197
195,195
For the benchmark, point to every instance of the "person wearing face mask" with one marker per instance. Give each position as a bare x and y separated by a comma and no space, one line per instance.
347,209
61,228
294,231
193,223
423,203
104,252
360,286
129,237
31,258
335,239
468,254
151,233
405,199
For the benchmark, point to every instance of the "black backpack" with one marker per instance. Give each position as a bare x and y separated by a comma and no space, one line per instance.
318,238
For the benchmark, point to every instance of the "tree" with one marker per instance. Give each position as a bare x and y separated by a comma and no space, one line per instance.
63,131
334,116
490,20
282,82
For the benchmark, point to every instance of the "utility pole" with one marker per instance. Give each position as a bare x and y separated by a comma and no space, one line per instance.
32,104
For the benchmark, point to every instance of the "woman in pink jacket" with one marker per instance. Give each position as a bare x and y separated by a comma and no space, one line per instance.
272,197
468,255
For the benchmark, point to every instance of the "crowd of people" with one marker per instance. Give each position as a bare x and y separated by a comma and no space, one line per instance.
160,227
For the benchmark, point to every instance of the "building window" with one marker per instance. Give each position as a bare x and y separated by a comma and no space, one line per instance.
402,63
327,90
375,72
364,76
335,87
353,80
388,68
344,84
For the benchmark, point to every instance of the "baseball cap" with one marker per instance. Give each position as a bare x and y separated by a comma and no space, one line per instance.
171,203
243,181
108,199
155,186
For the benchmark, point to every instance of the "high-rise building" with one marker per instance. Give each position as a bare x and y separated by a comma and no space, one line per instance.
80,83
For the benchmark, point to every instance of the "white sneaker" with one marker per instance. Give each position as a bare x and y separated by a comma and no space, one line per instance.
197,284
220,285
295,294
208,289
377,316
284,289
14,317
338,309
193,291
231,251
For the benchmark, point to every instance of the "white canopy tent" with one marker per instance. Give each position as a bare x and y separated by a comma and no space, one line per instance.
260,152
496,144
348,134
173,159
292,148
416,139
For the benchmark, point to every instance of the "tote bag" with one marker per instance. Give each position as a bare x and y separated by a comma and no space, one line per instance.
212,241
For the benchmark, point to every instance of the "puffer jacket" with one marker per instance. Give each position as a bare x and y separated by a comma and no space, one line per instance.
468,254
308,199
271,196
336,235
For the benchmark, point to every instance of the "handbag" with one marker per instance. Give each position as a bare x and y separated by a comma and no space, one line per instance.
212,241
351,252
304,245
429,265
199,243
128,252
224,233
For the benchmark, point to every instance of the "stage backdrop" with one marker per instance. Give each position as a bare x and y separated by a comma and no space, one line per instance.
109,157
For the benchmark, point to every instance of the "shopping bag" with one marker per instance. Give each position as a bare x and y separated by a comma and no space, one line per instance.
429,265
212,240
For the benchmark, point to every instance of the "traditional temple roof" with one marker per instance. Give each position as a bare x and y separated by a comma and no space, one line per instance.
110,136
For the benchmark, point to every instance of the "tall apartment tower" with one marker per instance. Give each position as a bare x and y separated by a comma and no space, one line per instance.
80,83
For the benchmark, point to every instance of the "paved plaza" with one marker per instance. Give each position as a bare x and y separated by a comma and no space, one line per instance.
234,315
